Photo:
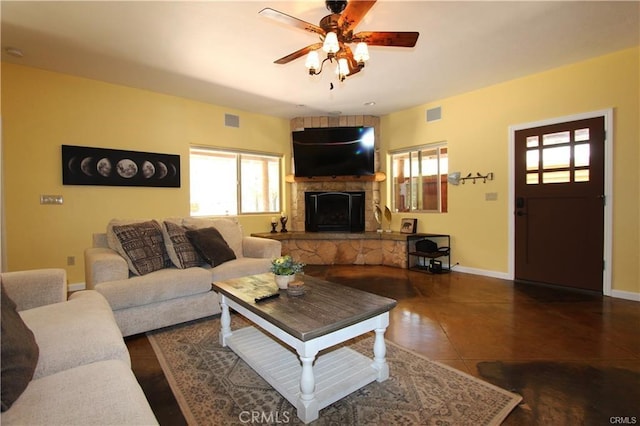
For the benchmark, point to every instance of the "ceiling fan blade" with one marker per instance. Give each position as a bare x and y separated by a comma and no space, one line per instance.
283,18
353,13
298,53
387,38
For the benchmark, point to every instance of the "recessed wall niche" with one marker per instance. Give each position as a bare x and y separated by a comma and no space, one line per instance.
370,188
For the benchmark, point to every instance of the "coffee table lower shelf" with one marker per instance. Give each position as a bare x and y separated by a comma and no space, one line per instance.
338,372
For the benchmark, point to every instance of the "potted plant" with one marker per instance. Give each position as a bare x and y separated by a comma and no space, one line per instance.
284,268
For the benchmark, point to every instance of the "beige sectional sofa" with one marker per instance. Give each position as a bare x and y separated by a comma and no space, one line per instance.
80,373
159,292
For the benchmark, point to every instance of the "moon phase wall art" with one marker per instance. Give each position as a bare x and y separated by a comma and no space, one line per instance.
98,166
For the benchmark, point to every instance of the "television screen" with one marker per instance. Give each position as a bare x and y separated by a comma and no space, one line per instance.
334,151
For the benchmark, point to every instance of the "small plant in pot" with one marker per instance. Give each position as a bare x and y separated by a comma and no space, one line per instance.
284,269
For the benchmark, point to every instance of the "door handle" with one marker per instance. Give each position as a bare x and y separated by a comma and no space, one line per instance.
520,213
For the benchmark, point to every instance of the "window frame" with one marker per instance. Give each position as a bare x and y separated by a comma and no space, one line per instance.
417,150
238,154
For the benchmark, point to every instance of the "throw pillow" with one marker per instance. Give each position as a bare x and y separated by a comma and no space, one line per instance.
142,245
19,353
180,250
211,246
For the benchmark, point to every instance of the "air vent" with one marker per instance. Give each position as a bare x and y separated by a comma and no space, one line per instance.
434,114
231,120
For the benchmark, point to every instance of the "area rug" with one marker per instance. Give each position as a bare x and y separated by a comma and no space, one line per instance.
214,387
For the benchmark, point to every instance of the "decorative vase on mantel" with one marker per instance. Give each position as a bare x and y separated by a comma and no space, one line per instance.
283,280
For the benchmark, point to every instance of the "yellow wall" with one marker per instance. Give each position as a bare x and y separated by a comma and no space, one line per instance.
44,110
475,125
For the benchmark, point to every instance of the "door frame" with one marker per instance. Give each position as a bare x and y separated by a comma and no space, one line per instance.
608,188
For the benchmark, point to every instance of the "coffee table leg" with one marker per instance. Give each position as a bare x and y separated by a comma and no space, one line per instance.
307,407
379,353
225,321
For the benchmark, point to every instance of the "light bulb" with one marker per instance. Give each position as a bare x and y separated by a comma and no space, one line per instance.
362,52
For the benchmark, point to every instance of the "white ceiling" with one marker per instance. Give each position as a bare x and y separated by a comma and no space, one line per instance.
222,52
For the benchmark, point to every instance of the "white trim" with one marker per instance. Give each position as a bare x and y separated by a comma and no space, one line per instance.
483,272
76,286
608,189
620,294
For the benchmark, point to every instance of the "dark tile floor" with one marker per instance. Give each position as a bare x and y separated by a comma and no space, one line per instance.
574,357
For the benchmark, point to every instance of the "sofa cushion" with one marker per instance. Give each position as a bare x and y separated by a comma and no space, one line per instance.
158,286
180,250
211,246
79,331
240,268
142,245
102,393
19,353
230,230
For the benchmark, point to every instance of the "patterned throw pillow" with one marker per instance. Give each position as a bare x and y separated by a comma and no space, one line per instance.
211,246
19,353
143,246
180,250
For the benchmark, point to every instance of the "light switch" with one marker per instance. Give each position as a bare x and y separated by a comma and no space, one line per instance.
50,199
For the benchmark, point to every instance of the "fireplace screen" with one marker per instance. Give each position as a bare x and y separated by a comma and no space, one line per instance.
334,211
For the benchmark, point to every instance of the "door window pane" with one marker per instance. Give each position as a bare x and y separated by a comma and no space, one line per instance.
581,175
581,155
532,142
556,177
582,135
556,138
533,159
554,158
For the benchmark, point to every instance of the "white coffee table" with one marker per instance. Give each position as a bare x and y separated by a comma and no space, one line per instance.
303,326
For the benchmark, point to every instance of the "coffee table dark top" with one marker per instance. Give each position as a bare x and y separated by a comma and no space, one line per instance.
324,307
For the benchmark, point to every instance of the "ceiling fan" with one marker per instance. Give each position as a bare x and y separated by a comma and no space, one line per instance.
336,33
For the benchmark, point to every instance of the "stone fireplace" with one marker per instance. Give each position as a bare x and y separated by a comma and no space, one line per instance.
370,188
329,211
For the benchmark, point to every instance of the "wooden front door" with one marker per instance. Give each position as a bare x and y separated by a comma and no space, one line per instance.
559,204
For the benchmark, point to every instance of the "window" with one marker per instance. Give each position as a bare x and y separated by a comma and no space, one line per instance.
231,183
419,179
565,157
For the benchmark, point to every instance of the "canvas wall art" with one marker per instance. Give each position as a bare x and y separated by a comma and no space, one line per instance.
99,166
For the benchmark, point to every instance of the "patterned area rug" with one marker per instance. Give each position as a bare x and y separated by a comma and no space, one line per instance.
214,387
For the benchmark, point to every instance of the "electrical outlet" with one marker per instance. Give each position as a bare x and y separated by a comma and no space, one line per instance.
51,199
71,260
491,196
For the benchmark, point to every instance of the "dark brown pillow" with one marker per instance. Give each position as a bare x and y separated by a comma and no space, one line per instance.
211,246
143,246
19,353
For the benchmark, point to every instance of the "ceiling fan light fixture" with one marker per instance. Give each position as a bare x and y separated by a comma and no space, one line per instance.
361,55
331,45
312,62
342,69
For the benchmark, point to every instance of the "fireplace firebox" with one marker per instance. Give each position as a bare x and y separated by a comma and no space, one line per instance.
334,211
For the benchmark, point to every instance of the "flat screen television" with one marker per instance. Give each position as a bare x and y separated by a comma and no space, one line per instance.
334,151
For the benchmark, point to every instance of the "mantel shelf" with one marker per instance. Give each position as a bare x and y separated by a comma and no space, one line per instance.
377,177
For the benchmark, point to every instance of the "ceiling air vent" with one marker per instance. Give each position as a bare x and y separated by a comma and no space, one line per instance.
434,114
231,120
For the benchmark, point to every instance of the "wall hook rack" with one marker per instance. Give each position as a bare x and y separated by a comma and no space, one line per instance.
484,178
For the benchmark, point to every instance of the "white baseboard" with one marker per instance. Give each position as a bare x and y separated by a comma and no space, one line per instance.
620,294
483,272
76,286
